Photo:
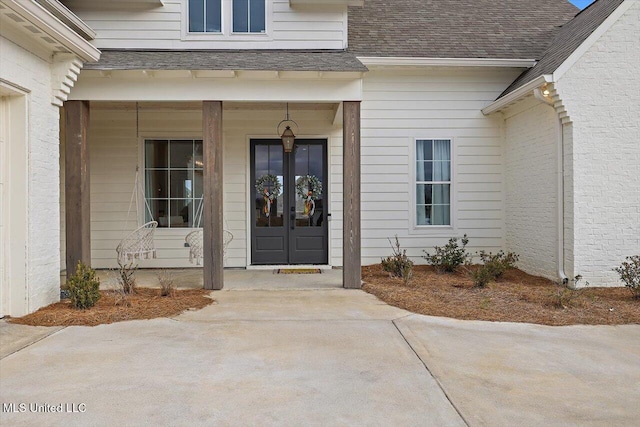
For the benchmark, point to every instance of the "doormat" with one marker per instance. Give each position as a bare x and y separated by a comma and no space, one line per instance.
298,271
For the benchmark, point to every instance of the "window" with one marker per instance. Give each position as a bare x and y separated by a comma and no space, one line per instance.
248,16
205,16
173,181
433,182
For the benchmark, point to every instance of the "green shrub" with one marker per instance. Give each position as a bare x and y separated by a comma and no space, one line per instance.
448,258
565,296
499,263
481,276
629,272
398,264
84,287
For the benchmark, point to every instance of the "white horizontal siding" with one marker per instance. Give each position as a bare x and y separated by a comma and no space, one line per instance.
162,28
114,150
399,107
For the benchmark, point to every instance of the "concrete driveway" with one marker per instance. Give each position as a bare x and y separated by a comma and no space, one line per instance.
324,357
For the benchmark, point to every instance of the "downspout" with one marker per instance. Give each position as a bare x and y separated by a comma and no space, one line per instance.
542,94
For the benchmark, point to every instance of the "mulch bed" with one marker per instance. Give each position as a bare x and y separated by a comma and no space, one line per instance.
516,297
143,304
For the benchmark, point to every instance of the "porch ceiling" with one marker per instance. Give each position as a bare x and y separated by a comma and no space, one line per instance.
197,106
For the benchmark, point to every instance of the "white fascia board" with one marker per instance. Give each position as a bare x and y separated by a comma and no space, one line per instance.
517,94
592,39
65,15
373,62
56,29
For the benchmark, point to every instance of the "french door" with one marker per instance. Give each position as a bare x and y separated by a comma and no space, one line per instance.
288,203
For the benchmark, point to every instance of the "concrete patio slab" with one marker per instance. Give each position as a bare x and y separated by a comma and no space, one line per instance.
349,371
192,278
333,304
507,374
17,337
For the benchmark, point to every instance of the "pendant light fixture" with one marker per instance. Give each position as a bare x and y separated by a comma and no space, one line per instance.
288,137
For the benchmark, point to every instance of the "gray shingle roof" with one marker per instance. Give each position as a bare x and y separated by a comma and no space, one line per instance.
505,29
265,60
569,38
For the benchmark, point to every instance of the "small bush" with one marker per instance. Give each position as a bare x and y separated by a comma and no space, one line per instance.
481,276
565,296
448,258
84,287
167,287
398,264
126,277
629,272
499,263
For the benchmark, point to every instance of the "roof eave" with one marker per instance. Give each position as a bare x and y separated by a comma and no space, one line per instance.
382,62
517,94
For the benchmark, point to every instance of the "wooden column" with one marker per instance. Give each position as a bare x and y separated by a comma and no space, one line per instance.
212,214
351,251
76,185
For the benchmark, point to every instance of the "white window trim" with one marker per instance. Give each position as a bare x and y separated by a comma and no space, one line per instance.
142,162
432,230
227,33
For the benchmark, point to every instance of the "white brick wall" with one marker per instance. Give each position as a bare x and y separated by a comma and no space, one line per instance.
602,95
23,68
531,186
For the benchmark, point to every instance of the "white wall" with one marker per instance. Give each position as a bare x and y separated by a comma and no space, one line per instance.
114,149
601,93
39,158
164,28
399,107
531,186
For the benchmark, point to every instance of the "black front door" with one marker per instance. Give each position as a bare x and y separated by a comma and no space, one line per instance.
289,193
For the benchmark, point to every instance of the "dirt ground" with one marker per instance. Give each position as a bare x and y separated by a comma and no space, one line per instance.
111,307
516,297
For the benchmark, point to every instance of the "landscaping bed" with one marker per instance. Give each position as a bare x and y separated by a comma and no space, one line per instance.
112,307
515,297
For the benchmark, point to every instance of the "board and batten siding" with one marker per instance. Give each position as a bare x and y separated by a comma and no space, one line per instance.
114,144
400,107
164,26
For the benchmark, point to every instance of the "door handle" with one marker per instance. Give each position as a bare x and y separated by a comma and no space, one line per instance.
293,220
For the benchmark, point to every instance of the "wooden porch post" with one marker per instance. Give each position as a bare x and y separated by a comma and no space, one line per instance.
212,213
351,252
76,186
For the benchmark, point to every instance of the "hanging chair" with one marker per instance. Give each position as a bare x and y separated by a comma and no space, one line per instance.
139,243
195,239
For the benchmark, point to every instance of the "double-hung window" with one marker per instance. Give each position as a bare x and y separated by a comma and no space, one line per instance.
433,182
249,16
205,16
173,181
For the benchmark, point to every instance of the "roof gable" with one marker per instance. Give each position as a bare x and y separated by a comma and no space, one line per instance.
570,37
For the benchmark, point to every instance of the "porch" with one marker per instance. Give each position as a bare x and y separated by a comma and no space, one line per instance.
106,152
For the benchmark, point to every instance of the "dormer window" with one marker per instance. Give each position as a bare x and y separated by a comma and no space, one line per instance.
205,16
249,16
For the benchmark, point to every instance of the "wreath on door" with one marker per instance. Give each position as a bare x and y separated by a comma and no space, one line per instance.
309,189
263,184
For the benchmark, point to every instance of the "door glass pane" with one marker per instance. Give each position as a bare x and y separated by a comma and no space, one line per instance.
269,186
310,182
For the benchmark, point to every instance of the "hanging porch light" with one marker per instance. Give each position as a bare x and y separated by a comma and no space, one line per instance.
288,137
